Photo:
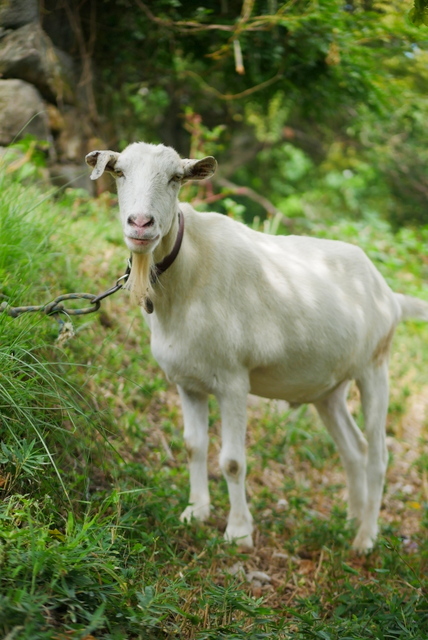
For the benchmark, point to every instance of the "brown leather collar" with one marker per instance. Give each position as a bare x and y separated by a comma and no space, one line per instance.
160,267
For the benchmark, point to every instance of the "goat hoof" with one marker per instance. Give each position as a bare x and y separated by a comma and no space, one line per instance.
363,543
193,512
240,535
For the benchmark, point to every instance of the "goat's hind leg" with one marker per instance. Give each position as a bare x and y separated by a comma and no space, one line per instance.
352,447
195,414
374,391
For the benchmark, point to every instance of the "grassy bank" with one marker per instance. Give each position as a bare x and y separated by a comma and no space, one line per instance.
93,467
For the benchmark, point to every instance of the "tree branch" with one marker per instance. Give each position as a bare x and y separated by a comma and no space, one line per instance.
238,190
233,96
258,23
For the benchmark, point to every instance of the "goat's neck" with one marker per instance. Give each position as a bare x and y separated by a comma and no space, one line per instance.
167,242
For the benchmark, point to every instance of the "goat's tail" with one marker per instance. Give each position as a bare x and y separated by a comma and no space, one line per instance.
412,308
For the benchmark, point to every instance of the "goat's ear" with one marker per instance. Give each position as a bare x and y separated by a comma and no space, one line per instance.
101,161
199,169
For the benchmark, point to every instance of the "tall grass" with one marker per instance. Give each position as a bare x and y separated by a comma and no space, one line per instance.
41,406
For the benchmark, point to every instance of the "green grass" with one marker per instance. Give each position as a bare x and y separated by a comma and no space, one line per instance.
93,467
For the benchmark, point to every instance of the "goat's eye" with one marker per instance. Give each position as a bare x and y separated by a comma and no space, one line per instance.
118,173
177,177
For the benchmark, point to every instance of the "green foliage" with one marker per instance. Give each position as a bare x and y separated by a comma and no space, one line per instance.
268,125
419,14
328,103
21,459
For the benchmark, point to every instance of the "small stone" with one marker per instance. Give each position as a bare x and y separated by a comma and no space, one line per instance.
258,578
237,570
282,504
279,554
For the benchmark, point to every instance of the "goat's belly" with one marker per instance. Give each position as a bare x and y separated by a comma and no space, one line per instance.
195,376
268,384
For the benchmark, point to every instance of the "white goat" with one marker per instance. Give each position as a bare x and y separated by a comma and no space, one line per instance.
237,311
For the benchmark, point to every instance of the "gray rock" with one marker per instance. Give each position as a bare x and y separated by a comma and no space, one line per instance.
28,54
16,13
22,111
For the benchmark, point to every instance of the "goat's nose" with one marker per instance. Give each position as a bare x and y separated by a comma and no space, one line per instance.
140,221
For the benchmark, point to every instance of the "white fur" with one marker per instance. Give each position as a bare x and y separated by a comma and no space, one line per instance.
285,317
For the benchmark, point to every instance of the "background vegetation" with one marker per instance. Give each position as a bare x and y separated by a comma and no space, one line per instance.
322,134
327,106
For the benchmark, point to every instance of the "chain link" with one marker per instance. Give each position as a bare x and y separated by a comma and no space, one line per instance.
56,306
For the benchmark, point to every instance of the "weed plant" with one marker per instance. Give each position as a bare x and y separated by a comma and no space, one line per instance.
92,466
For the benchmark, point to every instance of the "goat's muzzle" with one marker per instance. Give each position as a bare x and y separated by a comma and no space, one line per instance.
141,222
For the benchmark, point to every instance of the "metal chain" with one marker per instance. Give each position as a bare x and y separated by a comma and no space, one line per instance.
56,306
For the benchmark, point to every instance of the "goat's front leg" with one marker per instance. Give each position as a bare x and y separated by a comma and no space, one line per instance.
233,465
195,414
